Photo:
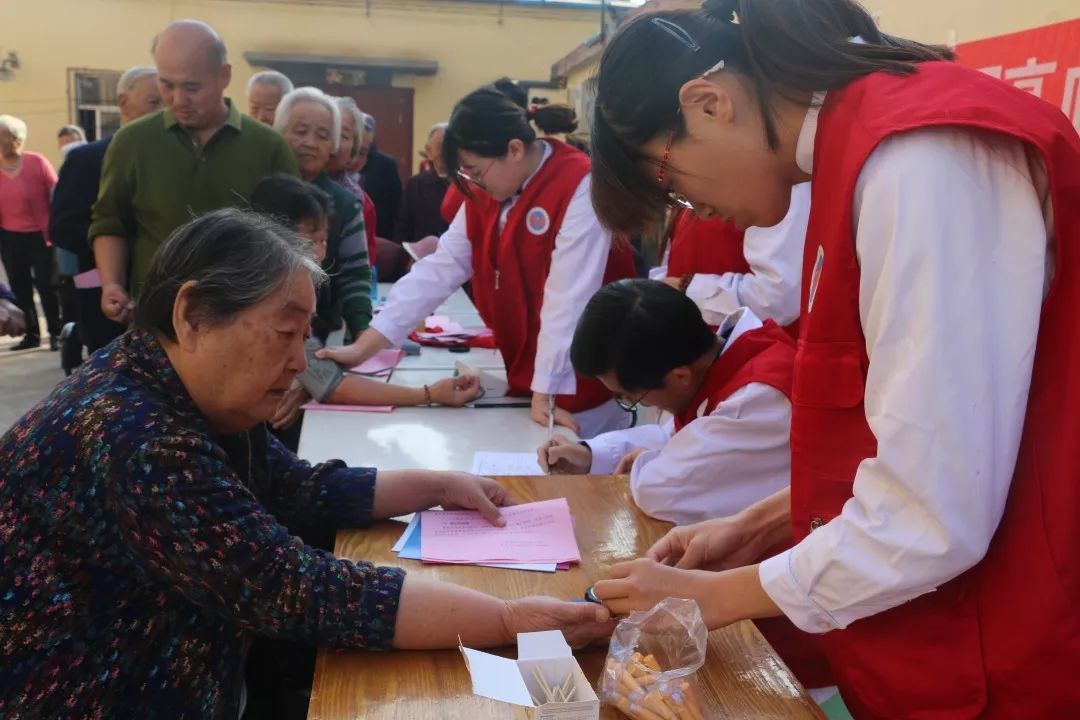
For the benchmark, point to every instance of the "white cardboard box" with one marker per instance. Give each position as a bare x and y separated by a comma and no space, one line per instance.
512,681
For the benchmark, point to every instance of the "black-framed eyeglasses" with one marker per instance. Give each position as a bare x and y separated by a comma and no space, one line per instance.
630,407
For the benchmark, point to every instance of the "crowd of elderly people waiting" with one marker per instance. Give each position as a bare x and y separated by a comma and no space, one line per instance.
160,553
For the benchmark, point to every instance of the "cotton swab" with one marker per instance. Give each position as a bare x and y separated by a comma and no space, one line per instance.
639,694
560,694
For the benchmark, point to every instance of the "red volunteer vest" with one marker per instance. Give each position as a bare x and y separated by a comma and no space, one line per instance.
451,203
1002,640
765,355
510,269
709,247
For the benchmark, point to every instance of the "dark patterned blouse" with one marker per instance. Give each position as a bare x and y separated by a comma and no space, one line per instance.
138,553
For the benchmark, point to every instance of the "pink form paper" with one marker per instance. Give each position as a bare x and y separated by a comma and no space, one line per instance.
539,532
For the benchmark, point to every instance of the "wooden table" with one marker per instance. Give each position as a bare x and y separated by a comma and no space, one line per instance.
742,678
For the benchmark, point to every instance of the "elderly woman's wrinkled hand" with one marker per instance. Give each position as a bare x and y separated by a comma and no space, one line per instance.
462,491
582,623
12,319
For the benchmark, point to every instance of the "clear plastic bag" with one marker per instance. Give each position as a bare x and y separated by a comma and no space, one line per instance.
652,661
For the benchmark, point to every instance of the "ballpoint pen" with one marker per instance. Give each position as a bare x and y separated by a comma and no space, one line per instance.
551,420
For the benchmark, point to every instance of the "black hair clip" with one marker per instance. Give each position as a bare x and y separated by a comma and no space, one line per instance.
677,32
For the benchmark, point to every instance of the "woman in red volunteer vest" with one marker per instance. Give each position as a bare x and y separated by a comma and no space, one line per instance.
529,241
728,392
722,267
935,481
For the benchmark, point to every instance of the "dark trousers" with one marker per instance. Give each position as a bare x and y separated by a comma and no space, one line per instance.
29,263
95,330
69,301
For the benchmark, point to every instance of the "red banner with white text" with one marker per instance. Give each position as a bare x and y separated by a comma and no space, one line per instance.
1045,61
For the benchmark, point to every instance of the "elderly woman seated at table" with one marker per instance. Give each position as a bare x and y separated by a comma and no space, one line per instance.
310,121
148,518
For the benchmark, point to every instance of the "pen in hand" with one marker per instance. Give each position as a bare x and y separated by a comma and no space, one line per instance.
551,420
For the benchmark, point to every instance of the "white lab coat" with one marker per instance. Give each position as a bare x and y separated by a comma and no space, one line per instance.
716,465
955,257
771,288
582,247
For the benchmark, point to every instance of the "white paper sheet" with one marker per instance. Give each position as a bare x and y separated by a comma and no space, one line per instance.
505,463
409,529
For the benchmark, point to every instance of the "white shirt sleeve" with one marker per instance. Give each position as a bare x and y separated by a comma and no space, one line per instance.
428,284
578,262
771,288
660,271
952,246
609,448
719,464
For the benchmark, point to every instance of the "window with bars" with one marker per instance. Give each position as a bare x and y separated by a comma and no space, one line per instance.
93,101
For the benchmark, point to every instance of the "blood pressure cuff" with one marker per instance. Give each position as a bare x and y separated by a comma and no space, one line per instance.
322,377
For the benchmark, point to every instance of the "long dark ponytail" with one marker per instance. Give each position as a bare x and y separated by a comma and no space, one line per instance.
786,48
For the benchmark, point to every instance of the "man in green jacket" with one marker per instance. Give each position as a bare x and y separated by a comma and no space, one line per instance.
197,154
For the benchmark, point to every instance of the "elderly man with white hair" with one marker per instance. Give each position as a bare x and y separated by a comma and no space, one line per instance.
198,154
264,92
68,138
310,121
73,197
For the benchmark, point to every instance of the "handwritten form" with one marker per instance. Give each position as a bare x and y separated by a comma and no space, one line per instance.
505,463
539,532
408,548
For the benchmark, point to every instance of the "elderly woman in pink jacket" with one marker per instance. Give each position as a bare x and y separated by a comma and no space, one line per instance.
26,182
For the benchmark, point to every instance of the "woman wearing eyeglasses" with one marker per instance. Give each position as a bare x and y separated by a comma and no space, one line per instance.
935,481
529,240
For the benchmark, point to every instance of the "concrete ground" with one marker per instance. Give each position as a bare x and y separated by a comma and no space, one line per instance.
26,376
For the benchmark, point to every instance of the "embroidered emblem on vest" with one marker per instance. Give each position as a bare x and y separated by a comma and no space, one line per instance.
537,221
